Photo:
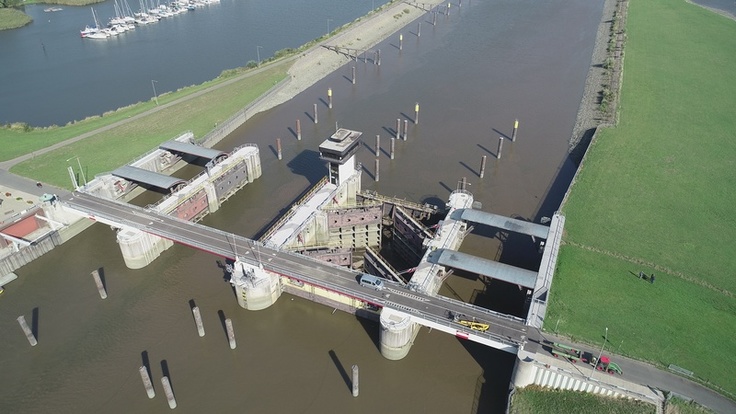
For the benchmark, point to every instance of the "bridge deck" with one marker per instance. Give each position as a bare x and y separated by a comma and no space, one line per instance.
501,222
191,149
141,176
495,270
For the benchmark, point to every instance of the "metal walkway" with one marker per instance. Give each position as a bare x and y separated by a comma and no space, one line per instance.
506,332
151,178
501,222
185,148
490,268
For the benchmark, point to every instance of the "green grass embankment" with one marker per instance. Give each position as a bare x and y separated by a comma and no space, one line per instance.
13,19
108,150
534,400
655,194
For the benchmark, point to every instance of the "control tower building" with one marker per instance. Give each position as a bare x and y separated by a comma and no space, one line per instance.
339,152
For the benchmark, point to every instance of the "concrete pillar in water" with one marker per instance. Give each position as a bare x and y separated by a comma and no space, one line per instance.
278,147
27,330
447,8
329,98
213,202
255,288
377,171
401,41
139,249
315,114
500,147
230,333
416,113
524,370
147,381
298,129
463,183
406,129
396,334
355,381
434,18
198,320
378,57
398,129
353,75
378,145
482,166
393,147
100,286
513,133
169,393
419,29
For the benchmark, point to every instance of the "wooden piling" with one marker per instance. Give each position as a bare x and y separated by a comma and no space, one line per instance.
393,147
169,393
434,18
230,333
500,147
278,149
356,384
406,129
378,145
329,98
401,41
513,133
378,57
482,166
353,75
100,286
27,330
376,171
147,381
416,113
315,114
398,129
298,129
198,320
419,29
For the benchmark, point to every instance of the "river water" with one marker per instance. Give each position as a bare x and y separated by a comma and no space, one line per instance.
486,64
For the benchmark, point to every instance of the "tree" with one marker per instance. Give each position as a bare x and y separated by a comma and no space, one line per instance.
9,3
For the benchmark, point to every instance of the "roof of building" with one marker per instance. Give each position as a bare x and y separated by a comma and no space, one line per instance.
501,222
141,176
490,268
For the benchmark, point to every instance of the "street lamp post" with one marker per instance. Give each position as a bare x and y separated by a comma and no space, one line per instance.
155,95
258,53
81,171
600,354
328,26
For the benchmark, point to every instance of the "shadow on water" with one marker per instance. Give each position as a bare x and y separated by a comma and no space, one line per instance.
341,369
101,272
308,164
369,322
469,168
34,322
221,314
147,364
166,373
491,392
501,134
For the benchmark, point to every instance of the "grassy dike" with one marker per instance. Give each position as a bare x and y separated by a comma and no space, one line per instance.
655,194
535,400
13,19
108,150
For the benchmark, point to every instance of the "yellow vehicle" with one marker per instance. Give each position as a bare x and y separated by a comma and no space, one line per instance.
470,323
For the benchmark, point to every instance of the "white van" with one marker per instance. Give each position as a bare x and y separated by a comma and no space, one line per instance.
371,281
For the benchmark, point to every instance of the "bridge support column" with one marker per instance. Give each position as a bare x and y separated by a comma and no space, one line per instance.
397,334
213,203
524,370
255,288
140,249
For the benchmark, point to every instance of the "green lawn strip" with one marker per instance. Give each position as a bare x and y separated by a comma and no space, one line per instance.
658,186
18,139
111,149
672,321
535,400
679,406
13,18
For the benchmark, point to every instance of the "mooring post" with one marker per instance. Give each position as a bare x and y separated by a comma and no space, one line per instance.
398,129
27,330
329,98
378,59
100,286
482,166
434,18
463,183
298,130
230,333
513,133
500,147
169,393
353,75
406,129
447,8
278,149
315,114
356,385
376,171
393,147
401,41
460,4
416,113
198,320
378,145
419,29
147,381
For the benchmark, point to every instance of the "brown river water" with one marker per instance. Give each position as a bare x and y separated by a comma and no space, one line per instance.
486,64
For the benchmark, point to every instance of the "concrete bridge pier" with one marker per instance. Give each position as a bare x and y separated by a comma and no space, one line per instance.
397,334
213,203
255,288
140,249
524,371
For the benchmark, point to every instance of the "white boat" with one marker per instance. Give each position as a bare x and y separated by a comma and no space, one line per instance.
94,32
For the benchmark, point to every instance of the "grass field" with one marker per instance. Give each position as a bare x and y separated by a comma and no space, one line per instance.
655,194
13,18
118,146
535,400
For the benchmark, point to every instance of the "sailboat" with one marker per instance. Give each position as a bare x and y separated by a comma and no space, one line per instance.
94,32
